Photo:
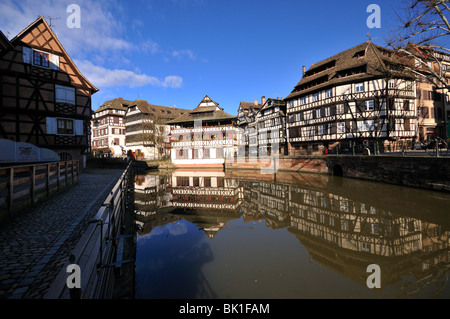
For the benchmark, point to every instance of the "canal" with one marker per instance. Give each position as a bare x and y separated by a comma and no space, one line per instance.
242,234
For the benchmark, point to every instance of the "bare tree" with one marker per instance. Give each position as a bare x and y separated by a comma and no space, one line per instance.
157,134
422,32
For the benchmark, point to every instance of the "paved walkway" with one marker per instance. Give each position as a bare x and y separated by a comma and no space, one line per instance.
35,246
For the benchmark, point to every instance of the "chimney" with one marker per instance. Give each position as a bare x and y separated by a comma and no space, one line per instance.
120,98
170,106
263,100
303,69
255,102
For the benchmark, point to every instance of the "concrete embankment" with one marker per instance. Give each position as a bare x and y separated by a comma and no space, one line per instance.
423,172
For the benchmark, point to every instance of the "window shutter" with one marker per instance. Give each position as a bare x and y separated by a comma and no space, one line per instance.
27,54
78,127
64,94
60,94
51,125
54,61
70,95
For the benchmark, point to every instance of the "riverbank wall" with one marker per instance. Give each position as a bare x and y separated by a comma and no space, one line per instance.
413,171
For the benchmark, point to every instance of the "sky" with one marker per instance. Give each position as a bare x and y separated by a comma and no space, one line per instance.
174,52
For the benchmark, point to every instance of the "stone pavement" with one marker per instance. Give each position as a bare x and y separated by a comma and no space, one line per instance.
36,244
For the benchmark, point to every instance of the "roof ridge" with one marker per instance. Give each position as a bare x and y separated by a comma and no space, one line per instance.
70,61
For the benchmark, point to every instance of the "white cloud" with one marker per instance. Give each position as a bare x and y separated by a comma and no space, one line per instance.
173,81
103,77
100,39
101,27
184,53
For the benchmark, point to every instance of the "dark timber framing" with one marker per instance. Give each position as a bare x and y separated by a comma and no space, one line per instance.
34,97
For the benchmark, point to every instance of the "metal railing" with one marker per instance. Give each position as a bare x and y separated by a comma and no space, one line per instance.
98,253
24,185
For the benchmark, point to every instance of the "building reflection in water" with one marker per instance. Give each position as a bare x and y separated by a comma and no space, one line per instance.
344,226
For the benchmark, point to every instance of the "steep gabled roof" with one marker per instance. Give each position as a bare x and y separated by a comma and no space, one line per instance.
247,105
272,102
364,61
163,113
115,104
210,109
206,105
33,36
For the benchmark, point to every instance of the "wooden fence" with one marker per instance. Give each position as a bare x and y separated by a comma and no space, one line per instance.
98,254
24,185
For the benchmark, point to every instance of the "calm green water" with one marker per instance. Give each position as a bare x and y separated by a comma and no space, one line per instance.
206,235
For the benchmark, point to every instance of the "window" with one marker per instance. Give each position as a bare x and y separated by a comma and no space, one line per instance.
182,181
321,130
365,126
332,221
65,126
343,203
359,87
196,181
391,84
399,124
340,109
291,118
329,93
322,218
316,97
303,100
65,94
369,105
327,111
374,229
40,59
318,113
298,117
365,247
308,115
406,106
345,224
424,112
341,127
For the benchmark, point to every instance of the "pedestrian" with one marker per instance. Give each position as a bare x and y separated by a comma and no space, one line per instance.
130,156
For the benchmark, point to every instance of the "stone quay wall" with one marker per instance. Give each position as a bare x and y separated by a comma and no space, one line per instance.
415,171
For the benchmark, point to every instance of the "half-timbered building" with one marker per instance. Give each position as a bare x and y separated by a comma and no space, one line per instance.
45,100
432,69
271,127
146,129
108,128
246,113
362,97
205,136
207,198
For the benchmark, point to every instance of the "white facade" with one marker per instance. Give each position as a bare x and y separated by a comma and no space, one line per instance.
205,137
205,145
108,135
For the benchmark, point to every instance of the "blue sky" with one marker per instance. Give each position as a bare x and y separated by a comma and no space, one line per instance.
173,52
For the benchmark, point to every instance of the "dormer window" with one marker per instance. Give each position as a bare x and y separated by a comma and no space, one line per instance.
40,59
